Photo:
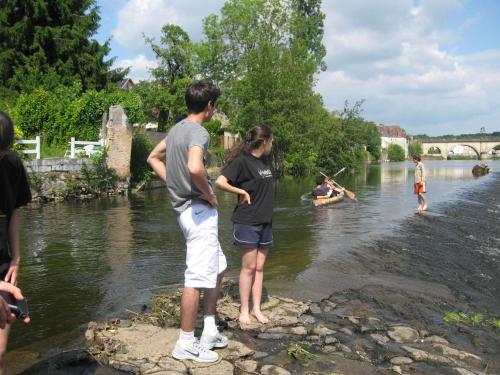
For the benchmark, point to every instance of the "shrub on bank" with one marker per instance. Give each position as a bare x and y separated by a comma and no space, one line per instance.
67,112
395,153
141,147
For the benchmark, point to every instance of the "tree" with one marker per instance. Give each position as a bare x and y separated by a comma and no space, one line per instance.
48,43
265,54
175,54
395,153
415,148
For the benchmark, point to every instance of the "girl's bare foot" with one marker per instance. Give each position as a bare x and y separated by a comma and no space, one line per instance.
419,209
260,317
244,318
424,208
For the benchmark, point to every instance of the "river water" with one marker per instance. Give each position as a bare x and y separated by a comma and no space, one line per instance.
94,260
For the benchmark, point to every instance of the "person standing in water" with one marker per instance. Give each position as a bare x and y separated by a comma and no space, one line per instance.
420,182
247,173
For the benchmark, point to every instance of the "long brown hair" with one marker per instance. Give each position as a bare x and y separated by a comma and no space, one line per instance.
252,140
6,131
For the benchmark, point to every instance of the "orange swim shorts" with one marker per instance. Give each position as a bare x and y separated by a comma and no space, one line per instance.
419,187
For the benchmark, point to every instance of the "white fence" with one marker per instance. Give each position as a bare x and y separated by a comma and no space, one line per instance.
35,142
89,148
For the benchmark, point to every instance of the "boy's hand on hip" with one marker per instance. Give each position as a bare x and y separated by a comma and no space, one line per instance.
210,198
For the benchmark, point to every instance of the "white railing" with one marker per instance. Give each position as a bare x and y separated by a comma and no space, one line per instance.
35,142
88,147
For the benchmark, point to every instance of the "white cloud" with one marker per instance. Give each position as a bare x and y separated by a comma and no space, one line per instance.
140,67
146,17
391,53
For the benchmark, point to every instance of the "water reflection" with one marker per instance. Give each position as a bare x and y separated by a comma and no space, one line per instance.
92,260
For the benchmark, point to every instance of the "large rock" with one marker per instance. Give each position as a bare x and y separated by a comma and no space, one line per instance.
480,170
402,334
140,348
423,356
222,368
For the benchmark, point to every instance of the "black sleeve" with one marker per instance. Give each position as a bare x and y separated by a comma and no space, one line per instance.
233,171
23,187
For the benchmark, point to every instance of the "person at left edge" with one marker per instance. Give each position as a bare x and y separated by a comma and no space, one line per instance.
14,193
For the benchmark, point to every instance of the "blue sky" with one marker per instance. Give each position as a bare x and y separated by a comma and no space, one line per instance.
430,66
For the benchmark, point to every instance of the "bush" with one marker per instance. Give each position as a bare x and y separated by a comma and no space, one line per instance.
141,147
415,148
395,153
66,112
35,112
99,178
130,101
214,128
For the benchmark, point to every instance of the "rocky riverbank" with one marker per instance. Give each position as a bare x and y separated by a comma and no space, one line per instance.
338,335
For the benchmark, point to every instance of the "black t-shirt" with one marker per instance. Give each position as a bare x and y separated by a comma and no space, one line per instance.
14,193
255,177
322,191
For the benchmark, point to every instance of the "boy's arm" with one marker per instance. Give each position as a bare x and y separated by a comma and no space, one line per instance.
420,174
198,174
156,160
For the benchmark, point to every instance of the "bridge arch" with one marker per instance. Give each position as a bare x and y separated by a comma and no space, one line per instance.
434,150
495,150
459,148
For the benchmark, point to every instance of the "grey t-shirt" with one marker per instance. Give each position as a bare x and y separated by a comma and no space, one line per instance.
184,135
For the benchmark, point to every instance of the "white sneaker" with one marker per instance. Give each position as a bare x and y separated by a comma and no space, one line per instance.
194,352
213,341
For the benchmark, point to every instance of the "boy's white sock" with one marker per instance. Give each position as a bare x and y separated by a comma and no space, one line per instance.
209,326
186,338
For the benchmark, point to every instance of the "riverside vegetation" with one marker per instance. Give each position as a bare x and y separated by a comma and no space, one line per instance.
264,55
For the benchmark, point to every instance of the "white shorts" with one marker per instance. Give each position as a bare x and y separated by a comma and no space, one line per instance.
204,257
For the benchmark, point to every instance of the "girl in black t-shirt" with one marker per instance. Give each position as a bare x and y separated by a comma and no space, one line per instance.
247,173
14,193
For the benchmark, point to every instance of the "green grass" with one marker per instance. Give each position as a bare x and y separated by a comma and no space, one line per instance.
474,319
296,351
53,151
494,323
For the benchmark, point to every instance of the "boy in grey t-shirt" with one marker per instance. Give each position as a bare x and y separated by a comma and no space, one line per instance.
179,160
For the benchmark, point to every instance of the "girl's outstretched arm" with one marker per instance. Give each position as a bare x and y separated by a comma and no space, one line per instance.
223,183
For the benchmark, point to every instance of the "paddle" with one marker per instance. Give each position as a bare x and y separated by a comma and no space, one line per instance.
342,170
349,193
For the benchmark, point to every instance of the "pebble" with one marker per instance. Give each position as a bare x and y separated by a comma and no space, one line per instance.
247,365
346,331
259,355
300,330
273,370
331,340
315,309
402,334
401,361
436,340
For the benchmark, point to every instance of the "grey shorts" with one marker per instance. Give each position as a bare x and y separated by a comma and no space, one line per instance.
258,236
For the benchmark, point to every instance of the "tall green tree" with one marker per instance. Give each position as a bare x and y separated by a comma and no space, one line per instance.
175,54
49,42
265,54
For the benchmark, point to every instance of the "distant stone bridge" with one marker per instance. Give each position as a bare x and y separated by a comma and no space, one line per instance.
483,148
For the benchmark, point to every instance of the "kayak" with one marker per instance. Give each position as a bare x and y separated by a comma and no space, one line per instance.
322,202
